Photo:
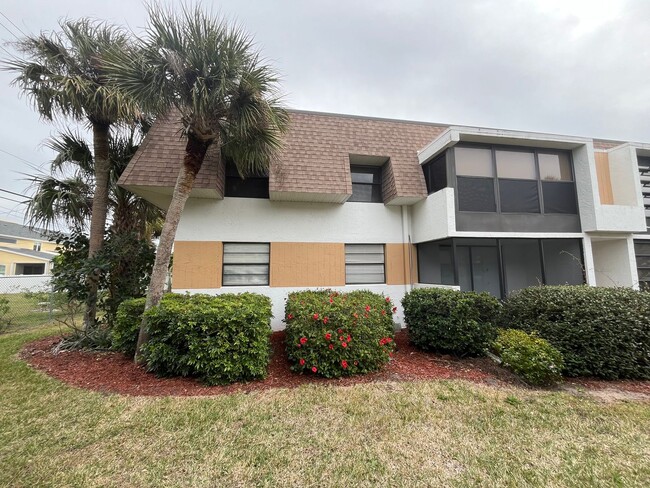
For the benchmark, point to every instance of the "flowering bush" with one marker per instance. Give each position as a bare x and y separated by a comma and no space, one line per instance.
335,334
528,356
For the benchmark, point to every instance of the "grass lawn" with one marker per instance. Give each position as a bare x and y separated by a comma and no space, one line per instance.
445,433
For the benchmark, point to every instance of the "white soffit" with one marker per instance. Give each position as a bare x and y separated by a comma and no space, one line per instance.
456,134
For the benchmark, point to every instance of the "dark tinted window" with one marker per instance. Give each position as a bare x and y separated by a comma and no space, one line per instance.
366,184
519,196
435,174
476,194
8,240
559,197
253,186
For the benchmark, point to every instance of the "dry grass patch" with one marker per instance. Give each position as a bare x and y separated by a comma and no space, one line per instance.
448,433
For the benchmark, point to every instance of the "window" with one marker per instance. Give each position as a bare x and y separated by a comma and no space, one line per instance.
366,183
642,251
509,180
435,174
8,240
364,263
644,176
37,246
3,269
245,264
253,186
30,268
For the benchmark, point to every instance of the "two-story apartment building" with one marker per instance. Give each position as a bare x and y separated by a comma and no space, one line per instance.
24,251
388,205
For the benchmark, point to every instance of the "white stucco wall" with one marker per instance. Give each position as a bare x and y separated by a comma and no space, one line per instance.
614,262
433,218
260,220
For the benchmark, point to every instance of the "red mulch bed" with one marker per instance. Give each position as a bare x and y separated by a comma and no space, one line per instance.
115,373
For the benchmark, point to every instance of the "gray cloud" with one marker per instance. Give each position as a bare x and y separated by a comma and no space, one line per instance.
573,67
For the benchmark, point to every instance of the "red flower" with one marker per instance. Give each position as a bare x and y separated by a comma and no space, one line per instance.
383,312
331,346
394,309
328,336
367,308
349,337
302,362
298,345
314,369
315,316
325,320
303,340
341,338
340,331
356,315
331,301
289,317
387,299
344,344
344,363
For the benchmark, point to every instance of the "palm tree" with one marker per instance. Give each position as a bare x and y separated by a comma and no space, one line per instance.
197,67
65,194
63,74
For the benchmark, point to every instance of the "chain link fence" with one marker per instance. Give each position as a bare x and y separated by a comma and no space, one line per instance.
28,301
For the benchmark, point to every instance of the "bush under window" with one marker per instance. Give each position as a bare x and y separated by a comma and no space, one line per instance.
335,334
219,339
602,332
450,321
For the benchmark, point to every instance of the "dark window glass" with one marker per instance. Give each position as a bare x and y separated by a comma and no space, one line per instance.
435,174
366,184
253,186
8,240
521,263
563,262
520,196
476,194
559,197
30,269
435,264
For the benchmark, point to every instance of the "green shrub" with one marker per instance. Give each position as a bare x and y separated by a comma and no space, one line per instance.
449,321
602,332
124,334
220,339
4,311
528,356
335,334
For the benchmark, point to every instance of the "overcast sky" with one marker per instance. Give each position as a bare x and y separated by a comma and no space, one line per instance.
579,67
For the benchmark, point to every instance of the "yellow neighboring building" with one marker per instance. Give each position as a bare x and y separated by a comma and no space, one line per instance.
24,251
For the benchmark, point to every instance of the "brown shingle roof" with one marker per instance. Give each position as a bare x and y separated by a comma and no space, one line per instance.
315,158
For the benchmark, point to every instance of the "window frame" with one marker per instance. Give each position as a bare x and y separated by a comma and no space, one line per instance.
229,167
427,170
383,246
3,270
224,264
497,194
375,169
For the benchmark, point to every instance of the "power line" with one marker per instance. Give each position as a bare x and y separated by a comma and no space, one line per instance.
17,157
10,199
11,22
14,193
9,31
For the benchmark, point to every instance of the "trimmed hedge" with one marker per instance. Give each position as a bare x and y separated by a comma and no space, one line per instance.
335,334
219,339
450,321
602,332
124,334
528,356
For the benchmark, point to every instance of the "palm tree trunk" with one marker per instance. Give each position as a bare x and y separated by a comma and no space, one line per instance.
194,154
98,216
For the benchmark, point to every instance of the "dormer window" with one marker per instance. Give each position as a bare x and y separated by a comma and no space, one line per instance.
366,178
253,186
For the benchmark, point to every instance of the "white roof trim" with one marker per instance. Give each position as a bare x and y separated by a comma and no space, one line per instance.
455,134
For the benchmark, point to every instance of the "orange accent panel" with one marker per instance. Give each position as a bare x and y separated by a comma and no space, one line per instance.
307,264
197,264
401,264
604,179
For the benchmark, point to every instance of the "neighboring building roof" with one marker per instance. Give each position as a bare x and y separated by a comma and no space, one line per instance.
45,256
12,229
314,164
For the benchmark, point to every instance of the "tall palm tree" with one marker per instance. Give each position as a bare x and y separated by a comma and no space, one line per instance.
64,76
196,66
65,194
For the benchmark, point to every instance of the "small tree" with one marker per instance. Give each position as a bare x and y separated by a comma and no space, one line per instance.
197,67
